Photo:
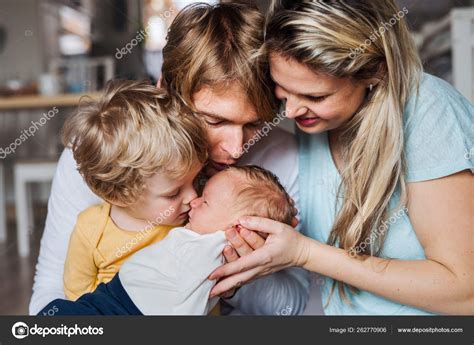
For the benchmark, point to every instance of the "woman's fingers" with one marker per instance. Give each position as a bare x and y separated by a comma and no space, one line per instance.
252,238
239,244
230,254
244,263
233,282
261,224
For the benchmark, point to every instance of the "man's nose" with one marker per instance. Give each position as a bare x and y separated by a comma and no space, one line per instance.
233,141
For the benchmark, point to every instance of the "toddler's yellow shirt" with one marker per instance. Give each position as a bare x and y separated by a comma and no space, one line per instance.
98,248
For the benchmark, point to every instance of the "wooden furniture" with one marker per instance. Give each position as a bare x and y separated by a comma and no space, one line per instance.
24,173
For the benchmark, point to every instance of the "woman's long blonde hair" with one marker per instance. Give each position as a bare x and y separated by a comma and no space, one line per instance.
359,40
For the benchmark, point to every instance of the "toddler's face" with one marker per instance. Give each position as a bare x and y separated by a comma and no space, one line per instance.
213,210
165,200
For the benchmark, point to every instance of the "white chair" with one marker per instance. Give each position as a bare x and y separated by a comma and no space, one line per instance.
462,21
24,173
3,213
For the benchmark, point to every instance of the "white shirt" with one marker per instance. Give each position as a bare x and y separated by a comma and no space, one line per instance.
170,277
70,195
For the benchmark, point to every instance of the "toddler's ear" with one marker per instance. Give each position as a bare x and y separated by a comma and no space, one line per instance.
117,203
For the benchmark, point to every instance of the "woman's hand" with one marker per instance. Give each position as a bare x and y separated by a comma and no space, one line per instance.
284,247
242,242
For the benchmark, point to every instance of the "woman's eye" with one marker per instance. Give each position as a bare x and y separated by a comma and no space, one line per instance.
316,98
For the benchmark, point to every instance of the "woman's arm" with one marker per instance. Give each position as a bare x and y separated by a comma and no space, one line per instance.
441,213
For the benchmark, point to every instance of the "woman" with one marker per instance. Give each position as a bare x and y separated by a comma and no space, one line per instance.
207,63
386,191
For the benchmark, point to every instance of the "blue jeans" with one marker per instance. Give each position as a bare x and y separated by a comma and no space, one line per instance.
107,299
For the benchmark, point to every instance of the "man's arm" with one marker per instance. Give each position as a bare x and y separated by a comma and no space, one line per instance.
69,196
282,293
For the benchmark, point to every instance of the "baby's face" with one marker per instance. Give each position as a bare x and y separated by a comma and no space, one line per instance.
213,211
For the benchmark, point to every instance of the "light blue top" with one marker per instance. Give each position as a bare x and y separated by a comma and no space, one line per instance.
439,138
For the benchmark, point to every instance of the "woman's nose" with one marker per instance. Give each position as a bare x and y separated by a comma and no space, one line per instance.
294,107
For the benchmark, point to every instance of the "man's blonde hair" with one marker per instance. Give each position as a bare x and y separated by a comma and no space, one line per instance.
133,132
261,194
215,45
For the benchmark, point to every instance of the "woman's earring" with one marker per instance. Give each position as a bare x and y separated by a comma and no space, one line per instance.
371,87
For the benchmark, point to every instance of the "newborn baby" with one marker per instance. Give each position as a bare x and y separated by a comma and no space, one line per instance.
170,276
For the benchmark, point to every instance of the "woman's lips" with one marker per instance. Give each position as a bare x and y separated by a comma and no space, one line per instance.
306,122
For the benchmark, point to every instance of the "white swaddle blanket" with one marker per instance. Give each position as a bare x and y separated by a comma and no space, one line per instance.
170,276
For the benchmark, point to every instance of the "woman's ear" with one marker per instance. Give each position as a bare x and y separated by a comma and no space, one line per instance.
158,84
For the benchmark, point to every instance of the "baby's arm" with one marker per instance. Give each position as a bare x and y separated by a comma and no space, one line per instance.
80,271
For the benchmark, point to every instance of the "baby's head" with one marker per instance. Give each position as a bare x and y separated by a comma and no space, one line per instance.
237,192
139,149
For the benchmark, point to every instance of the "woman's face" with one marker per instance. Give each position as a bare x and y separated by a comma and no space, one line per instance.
231,120
317,102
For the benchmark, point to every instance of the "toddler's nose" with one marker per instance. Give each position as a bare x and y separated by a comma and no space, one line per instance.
194,203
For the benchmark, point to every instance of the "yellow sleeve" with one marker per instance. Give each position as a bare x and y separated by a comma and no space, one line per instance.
80,271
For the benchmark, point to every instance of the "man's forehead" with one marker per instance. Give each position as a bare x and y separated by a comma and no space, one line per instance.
231,104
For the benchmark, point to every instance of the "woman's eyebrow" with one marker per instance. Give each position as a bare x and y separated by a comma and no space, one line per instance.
305,94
